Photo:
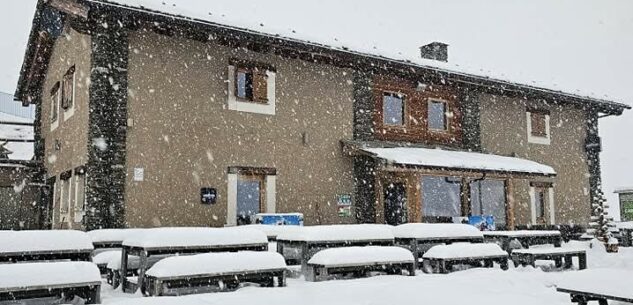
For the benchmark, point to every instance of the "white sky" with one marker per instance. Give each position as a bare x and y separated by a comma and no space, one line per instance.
584,45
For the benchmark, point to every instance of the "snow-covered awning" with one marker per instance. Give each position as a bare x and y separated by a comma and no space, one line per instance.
458,160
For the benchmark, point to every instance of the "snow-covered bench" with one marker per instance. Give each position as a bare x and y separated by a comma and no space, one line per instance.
443,257
420,237
58,281
272,231
597,285
178,241
104,257
300,245
110,238
203,273
21,246
526,257
360,261
526,238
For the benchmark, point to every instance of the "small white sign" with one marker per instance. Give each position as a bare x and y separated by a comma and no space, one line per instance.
139,174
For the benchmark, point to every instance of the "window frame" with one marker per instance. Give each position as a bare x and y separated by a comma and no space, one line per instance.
79,177
253,105
536,139
267,190
261,178
403,98
447,123
548,206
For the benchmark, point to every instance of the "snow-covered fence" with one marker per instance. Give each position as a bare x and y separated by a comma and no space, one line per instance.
173,241
419,237
214,271
360,260
56,281
19,246
300,245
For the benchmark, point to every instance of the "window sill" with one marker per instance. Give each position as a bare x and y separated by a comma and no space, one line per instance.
68,113
539,140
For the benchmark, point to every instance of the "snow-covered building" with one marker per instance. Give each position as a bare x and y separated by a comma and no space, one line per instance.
148,108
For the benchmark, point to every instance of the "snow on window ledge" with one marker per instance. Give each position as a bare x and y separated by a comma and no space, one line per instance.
235,104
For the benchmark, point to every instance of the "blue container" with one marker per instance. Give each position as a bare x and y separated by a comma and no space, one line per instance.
291,219
483,223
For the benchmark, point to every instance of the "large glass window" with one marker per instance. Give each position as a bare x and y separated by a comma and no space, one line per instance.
441,196
437,115
249,197
488,197
393,109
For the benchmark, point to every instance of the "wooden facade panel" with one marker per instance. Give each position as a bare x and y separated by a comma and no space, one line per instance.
415,126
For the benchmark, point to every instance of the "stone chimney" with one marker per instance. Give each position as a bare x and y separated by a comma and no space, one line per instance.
435,51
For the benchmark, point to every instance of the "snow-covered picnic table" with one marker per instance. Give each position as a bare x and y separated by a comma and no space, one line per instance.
441,258
558,255
110,238
527,238
50,280
173,241
17,246
184,274
300,245
419,237
626,233
272,231
390,259
598,284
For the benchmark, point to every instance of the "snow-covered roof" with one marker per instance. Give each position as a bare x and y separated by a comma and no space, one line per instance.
19,150
195,237
602,281
217,263
361,255
111,235
44,241
436,230
364,28
50,274
623,190
355,232
522,233
464,250
447,159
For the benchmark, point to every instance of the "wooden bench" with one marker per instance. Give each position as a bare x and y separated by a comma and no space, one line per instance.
442,258
526,257
359,261
183,241
420,237
52,245
299,246
526,238
599,285
54,281
214,272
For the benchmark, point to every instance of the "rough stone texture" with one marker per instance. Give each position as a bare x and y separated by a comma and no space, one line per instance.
471,125
365,179
107,127
363,107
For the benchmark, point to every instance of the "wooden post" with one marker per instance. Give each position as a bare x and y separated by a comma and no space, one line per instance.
510,220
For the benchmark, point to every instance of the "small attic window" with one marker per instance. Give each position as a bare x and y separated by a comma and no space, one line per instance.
538,125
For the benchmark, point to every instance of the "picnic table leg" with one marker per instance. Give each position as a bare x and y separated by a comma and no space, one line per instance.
558,242
412,269
568,261
488,263
140,281
281,279
603,302
443,266
123,270
582,261
558,261
504,264
532,261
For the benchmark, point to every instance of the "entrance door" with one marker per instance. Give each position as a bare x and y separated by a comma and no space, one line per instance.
395,203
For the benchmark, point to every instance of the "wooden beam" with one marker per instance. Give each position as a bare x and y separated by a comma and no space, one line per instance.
70,7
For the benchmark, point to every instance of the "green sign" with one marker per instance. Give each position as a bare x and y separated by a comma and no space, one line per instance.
627,210
344,200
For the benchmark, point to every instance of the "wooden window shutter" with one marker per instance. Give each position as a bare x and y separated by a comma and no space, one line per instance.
538,124
67,88
260,86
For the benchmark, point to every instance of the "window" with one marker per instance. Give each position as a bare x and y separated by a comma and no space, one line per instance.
542,203
441,197
68,93
250,191
250,195
65,199
538,122
488,197
393,109
54,106
251,88
437,119
80,194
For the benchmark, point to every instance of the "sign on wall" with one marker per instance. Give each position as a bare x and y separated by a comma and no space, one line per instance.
139,174
344,204
627,210
208,195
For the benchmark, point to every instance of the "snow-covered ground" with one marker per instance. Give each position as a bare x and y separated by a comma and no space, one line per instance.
516,286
